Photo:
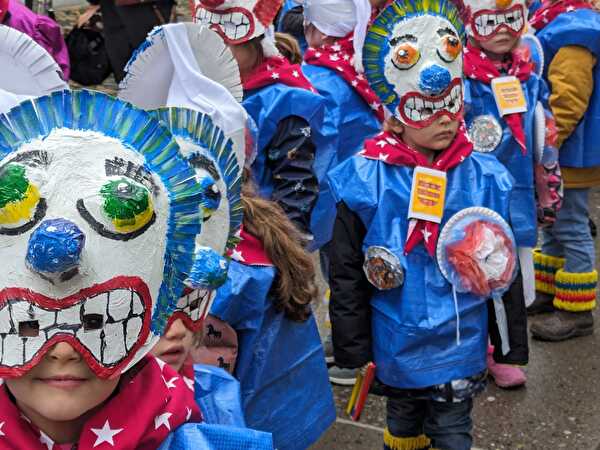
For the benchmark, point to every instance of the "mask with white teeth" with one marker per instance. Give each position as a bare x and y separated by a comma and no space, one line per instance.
98,220
216,161
486,18
413,60
237,21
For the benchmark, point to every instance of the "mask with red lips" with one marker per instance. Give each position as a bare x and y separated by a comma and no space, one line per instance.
413,60
486,18
237,21
98,220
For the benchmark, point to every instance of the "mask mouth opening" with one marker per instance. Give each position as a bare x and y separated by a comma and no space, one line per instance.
235,25
106,323
487,23
419,110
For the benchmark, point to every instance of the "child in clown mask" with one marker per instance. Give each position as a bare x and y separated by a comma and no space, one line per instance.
495,57
284,105
427,337
77,331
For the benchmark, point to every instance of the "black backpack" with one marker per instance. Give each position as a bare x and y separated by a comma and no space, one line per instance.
87,52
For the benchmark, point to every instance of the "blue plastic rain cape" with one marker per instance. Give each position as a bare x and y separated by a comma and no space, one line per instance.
271,104
218,396
414,327
479,101
203,436
581,28
349,121
281,364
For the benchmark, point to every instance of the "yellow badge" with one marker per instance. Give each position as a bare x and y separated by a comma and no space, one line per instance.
428,195
509,95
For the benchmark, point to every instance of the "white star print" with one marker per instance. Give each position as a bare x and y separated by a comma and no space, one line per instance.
318,54
45,440
341,69
383,156
296,74
1,430
346,57
381,144
237,255
360,76
160,363
426,234
171,383
189,413
334,57
162,421
189,383
336,47
354,83
375,106
105,434
483,55
392,141
275,75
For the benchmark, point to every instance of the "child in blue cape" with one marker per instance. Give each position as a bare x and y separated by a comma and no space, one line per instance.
495,55
390,301
566,276
262,329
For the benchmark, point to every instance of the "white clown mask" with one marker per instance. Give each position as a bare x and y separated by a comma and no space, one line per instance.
413,60
98,217
486,18
237,21
215,160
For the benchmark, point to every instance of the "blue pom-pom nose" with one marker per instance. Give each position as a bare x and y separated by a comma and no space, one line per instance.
435,80
55,247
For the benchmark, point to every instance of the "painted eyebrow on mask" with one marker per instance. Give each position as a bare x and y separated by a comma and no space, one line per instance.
202,162
404,37
33,158
446,31
120,166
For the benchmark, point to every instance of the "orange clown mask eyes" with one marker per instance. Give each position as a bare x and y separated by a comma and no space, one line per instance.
450,49
406,55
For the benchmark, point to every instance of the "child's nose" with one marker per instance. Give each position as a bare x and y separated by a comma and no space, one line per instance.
435,80
176,331
63,352
54,249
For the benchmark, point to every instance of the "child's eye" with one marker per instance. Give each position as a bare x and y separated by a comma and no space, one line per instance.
450,49
29,329
405,56
93,322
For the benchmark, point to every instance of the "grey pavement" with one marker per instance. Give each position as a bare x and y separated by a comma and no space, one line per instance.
558,409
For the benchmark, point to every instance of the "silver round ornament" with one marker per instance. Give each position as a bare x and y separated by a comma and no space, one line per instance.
383,268
486,133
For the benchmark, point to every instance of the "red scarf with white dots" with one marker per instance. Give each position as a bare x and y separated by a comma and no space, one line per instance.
339,57
273,70
131,419
390,149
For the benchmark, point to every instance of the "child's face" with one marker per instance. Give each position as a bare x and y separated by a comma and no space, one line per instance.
436,137
61,388
500,44
174,347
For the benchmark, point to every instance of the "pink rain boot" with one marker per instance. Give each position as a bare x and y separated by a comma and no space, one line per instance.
505,376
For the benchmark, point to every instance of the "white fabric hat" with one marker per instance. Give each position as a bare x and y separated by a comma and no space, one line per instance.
337,18
186,65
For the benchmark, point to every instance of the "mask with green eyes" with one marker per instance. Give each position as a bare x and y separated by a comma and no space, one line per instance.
98,220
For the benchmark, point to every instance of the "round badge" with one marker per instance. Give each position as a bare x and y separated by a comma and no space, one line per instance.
476,252
383,268
486,134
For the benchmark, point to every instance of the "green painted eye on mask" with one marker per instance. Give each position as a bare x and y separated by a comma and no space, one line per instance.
18,197
127,204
